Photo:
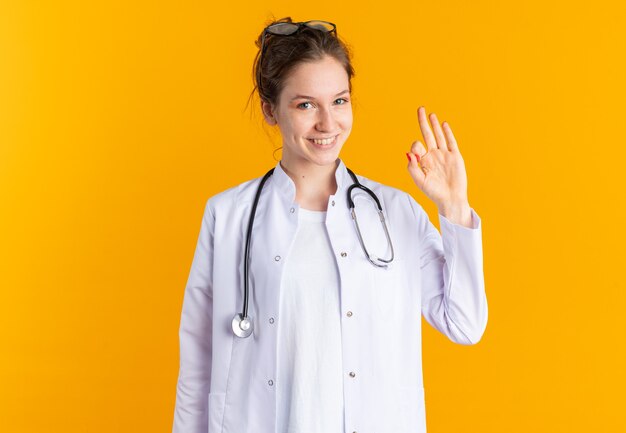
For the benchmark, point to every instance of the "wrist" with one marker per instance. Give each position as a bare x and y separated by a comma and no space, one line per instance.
457,213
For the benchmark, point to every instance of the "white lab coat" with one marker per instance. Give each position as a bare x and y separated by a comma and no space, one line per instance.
226,384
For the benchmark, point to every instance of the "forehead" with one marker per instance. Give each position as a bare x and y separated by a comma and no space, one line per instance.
319,79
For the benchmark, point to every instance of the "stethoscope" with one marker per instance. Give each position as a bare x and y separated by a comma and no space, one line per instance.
242,324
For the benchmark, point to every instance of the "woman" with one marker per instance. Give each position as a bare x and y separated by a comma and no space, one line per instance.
327,336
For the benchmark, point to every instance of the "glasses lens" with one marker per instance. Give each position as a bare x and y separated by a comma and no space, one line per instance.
324,26
282,28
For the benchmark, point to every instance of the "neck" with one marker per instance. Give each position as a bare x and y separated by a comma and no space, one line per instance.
314,184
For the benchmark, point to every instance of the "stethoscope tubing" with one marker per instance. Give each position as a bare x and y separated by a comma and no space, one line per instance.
241,324
248,239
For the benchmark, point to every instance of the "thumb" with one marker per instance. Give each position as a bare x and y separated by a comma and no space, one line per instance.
414,169
418,148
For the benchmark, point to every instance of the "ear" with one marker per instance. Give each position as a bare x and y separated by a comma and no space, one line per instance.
268,113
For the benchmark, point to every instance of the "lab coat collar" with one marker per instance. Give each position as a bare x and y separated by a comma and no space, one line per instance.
287,188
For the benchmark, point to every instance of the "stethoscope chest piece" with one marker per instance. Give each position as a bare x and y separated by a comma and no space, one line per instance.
242,324
242,327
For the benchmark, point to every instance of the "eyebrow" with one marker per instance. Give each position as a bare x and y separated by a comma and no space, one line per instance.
311,97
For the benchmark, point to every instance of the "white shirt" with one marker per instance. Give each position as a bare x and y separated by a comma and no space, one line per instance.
227,384
309,383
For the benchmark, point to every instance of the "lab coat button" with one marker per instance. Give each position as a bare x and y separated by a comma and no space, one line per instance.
344,254
271,320
277,258
270,382
332,202
352,374
349,314
292,210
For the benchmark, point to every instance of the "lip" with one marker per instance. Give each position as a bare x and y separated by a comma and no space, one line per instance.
324,146
323,138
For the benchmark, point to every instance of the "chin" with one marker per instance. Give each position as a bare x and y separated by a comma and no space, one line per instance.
325,158
327,161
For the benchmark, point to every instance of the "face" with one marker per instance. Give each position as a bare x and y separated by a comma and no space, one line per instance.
314,114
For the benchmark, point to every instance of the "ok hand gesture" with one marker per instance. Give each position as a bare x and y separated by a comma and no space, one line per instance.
440,171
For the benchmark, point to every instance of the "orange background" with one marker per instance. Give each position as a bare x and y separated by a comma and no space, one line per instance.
119,119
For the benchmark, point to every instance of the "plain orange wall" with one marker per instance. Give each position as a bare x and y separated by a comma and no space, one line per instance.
119,119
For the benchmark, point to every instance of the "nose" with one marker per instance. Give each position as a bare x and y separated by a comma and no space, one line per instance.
325,120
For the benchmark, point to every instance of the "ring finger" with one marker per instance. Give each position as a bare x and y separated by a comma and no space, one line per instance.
439,136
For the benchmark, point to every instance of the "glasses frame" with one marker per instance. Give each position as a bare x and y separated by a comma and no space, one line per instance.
299,26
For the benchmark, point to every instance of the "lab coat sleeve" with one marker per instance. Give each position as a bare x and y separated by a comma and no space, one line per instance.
452,280
195,335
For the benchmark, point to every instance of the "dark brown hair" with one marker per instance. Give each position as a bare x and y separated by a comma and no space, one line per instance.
283,53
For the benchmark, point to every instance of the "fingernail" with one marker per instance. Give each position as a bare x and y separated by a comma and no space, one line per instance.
408,157
418,157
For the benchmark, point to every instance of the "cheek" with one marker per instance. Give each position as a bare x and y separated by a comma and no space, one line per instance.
290,127
345,114
346,120
297,125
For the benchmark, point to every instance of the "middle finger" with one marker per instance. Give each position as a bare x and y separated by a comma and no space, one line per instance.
429,138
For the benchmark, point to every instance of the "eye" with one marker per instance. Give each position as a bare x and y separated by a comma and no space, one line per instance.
343,102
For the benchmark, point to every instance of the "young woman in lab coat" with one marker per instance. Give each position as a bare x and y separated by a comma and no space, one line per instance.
335,345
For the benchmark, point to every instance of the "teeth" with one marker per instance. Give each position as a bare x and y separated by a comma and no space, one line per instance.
325,141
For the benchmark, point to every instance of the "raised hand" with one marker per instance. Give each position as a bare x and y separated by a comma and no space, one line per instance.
440,171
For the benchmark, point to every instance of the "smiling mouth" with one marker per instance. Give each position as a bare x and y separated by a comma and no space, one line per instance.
324,142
